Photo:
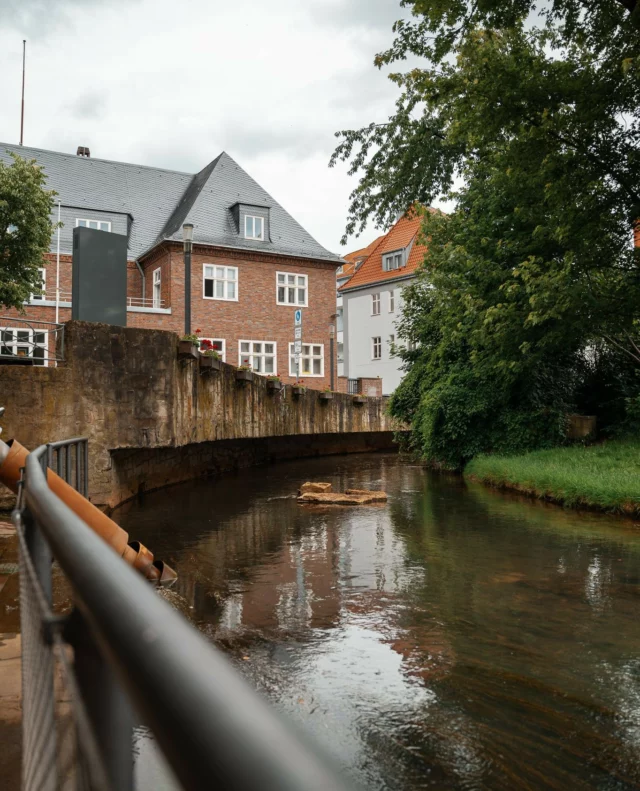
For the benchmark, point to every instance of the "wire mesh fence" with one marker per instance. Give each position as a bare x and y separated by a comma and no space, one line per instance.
59,750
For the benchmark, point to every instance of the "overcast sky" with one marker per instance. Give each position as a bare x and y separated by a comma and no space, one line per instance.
171,84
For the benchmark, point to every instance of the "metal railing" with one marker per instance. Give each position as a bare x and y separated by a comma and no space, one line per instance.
30,342
49,295
353,386
144,302
125,656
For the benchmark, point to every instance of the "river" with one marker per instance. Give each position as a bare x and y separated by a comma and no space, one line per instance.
453,638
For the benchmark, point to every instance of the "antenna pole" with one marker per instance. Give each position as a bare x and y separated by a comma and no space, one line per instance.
24,55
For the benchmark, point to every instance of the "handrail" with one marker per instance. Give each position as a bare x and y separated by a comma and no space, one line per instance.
212,727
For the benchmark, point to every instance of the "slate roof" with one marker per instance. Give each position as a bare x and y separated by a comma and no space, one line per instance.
402,235
159,201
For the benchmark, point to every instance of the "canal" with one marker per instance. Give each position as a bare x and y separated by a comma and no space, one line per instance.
453,638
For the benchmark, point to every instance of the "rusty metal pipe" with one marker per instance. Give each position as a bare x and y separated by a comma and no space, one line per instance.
13,457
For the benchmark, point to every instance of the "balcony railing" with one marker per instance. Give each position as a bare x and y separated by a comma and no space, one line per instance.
28,342
49,295
145,302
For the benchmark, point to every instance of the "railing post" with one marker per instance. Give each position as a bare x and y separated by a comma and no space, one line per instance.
106,705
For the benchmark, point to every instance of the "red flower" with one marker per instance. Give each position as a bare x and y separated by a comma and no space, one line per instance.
198,331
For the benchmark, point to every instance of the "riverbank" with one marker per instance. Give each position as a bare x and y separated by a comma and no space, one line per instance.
605,477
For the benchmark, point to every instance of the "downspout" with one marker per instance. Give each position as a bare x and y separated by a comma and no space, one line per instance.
144,279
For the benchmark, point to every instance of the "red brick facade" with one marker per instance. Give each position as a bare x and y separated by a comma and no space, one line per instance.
255,316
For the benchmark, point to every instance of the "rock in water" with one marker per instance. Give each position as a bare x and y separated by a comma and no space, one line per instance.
314,487
377,497
335,498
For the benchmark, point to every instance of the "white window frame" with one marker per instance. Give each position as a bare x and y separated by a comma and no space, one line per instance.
254,217
311,356
29,343
87,221
156,298
296,288
43,295
376,345
222,351
340,269
392,301
389,259
262,355
226,280
375,304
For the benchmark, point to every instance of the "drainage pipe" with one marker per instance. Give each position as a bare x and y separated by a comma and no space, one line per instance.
13,457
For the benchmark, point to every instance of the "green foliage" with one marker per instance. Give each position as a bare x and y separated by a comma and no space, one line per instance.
536,113
25,229
605,476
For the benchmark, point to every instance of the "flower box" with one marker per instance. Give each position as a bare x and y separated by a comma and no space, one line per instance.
210,363
274,385
359,399
298,390
244,375
325,395
187,350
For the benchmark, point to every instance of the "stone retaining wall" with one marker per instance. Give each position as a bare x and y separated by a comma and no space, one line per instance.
126,389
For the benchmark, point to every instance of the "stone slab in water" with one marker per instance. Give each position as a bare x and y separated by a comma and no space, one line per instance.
377,497
336,498
316,486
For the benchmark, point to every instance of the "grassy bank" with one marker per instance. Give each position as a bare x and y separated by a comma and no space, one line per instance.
606,476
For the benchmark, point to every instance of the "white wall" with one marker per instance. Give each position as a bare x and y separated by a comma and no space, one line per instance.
359,329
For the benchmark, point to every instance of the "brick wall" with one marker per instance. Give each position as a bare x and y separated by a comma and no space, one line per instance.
255,316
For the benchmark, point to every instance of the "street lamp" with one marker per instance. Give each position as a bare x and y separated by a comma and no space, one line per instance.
332,335
187,239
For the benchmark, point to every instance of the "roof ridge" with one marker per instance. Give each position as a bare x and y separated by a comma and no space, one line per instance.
75,157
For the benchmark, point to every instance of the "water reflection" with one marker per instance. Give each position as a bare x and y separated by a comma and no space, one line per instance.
454,638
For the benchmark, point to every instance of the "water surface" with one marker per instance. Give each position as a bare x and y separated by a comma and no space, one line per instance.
454,638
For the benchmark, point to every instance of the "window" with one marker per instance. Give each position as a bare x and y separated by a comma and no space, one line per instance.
260,355
253,227
214,344
311,360
376,348
291,289
220,282
375,304
392,261
392,301
24,343
340,270
157,287
99,225
37,296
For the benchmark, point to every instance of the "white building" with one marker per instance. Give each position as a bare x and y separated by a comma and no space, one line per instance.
343,274
372,303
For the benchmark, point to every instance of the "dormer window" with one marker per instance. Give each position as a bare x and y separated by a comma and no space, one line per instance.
391,261
253,227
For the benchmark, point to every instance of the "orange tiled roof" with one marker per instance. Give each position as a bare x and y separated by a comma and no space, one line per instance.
399,237
353,258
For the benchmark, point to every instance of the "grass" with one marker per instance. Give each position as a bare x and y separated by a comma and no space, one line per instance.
605,477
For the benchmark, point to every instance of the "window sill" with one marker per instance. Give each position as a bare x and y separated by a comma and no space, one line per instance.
221,299
47,303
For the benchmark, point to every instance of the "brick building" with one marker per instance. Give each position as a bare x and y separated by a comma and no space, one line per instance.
252,263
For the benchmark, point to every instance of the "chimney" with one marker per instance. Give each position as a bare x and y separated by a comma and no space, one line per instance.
83,151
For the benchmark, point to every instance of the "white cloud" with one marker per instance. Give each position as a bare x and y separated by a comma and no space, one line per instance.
172,86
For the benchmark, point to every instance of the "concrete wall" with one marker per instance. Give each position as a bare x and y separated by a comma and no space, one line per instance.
360,326
127,391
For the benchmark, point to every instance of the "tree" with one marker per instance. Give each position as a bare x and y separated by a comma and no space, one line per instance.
25,229
537,117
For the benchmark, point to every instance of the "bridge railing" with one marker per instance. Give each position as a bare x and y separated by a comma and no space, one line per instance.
124,656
